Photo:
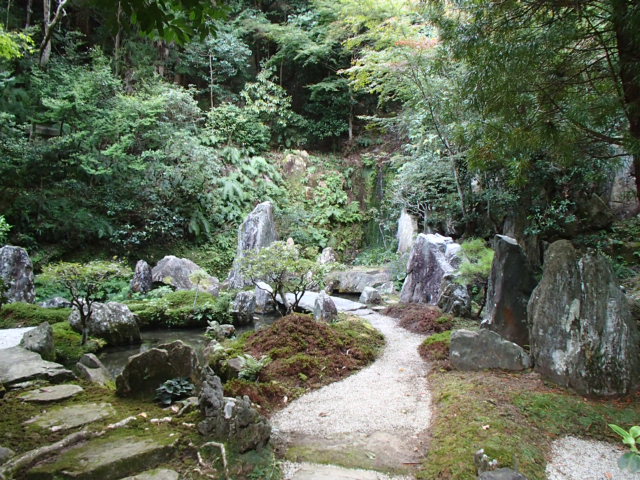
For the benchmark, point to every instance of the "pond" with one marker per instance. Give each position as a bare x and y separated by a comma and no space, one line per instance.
115,358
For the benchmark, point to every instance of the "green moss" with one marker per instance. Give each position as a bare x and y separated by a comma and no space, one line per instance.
19,314
442,337
68,344
176,310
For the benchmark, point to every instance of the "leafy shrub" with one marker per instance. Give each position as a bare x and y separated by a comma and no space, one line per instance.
68,344
174,389
20,314
375,256
4,229
630,460
176,310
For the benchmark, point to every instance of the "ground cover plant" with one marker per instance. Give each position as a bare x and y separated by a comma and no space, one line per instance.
420,318
305,355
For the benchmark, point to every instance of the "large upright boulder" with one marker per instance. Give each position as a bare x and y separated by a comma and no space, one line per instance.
510,285
111,321
243,307
228,419
142,280
407,231
146,371
176,271
623,197
16,270
582,334
324,308
256,232
432,257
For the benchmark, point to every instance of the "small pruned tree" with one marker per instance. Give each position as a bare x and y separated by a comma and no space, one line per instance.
475,269
85,284
284,269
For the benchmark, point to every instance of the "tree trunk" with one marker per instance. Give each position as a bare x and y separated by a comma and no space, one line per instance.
27,22
625,16
45,48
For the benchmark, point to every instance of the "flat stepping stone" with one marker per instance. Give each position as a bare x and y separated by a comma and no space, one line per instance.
66,418
18,365
157,474
53,393
312,471
114,456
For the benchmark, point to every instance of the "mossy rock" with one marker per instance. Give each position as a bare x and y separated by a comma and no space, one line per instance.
118,455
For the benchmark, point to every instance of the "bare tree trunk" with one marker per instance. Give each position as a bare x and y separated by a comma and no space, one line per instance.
49,26
6,24
116,47
27,22
211,80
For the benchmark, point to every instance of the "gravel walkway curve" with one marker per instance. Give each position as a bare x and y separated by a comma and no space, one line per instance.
385,405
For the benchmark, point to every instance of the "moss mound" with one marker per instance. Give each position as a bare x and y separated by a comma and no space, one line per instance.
436,349
68,344
19,314
305,355
420,318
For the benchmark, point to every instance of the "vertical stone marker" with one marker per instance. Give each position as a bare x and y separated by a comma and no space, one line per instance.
583,335
16,270
407,231
256,232
510,285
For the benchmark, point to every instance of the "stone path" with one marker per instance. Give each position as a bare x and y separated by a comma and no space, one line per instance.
376,419
11,337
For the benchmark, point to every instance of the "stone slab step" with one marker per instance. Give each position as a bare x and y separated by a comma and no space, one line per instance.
66,418
157,474
115,456
313,471
19,365
53,393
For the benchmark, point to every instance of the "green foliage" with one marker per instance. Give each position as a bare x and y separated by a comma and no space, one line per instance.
376,256
284,269
631,460
14,45
173,390
70,345
20,314
253,366
4,288
177,310
475,268
4,229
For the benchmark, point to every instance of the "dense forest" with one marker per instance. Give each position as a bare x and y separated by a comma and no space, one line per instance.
134,126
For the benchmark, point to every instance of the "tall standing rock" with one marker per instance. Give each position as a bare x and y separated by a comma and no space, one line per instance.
142,280
256,232
583,335
407,231
432,257
16,270
510,285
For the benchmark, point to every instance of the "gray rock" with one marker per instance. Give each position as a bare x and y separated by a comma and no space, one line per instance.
231,368
231,419
324,308
407,231
243,307
583,335
112,321
51,393
142,280
16,270
623,197
176,271
256,232
510,285
156,474
18,365
5,454
56,302
483,462
264,301
486,349
90,368
66,418
219,332
370,296
356,279
327,256
454,298
432,257
115,455
501,474
40,340
146,371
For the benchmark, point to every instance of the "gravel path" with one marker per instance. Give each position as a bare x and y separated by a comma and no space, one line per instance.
576,459
383,410
312,471
11,337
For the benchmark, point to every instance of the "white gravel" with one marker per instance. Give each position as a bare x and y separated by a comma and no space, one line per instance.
11,337
576,459
312,471
391,395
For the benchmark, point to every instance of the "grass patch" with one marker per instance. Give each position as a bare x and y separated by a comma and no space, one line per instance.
305,355
514,417
68,344
20,314
420,318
